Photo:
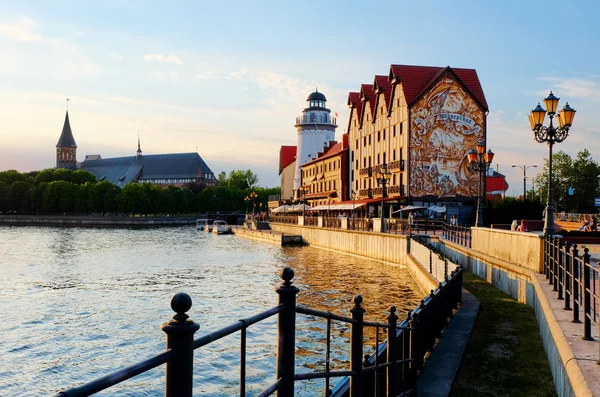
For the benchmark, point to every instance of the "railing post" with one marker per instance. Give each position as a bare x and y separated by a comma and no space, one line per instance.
561,271
430,263
445,268
575,285
180,338
356,348
587,296
286,334
415,352
568,275
546,257
393,376
554,264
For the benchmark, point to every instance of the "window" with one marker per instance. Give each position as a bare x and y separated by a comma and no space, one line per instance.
378,159
356,146
400,128
383,158
384,134
378,136
381,110
394,155
356,164
313,117
394,179
364,162
365,141
394,130
369,161
369,139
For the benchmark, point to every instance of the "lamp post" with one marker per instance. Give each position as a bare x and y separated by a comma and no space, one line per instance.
246,199
303,189
253,197
551,135
353,202
524,168
480,161
383,177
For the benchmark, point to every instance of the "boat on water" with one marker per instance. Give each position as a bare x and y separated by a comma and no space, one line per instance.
221,227
205,224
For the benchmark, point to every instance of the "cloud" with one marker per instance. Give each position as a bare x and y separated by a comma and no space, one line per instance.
573,87
161,58
117,57
22,30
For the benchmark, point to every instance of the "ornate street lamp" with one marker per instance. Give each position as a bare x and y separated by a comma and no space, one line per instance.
551,135
253,197
525,168
246,199
480,161
383,177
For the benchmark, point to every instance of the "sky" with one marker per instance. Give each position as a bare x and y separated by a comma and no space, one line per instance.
227,79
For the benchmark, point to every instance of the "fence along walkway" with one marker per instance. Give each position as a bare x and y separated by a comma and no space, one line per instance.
575,280
391,371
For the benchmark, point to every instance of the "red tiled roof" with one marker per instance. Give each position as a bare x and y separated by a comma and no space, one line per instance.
382,85
367,95
356,105
287,155
416,79
332,150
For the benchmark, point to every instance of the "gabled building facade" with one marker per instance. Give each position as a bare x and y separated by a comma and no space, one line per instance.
419,122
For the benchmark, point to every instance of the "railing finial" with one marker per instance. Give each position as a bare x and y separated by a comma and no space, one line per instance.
358,300
287,274
181,303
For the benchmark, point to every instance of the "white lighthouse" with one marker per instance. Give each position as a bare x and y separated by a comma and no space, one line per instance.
315,128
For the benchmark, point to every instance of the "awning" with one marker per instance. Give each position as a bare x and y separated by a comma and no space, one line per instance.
337,207
409,208
292,208
436,208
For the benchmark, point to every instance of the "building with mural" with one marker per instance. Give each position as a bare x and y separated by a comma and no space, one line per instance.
419,122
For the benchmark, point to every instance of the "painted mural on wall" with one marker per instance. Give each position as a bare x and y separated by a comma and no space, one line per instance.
445,124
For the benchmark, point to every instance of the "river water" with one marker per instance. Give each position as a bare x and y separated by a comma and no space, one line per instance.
78,304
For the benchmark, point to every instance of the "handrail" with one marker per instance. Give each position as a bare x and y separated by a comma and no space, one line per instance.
406,346
575,281
243,323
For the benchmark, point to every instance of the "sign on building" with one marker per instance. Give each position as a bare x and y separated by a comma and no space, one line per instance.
597,202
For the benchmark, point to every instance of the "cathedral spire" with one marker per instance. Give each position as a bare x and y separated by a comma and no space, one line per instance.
139,151
66,148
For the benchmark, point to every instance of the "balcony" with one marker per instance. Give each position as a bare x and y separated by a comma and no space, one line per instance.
396,165
366,171
316,119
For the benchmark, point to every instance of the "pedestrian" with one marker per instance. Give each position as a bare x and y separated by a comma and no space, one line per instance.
523,226
453,220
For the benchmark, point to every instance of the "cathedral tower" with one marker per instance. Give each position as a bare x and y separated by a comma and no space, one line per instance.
316,128
66,148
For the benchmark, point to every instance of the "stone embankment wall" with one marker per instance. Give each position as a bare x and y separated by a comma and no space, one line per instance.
93,221
389,248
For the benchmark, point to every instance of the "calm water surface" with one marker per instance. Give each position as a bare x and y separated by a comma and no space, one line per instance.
77,304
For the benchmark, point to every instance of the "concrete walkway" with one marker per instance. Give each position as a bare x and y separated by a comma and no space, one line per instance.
442,366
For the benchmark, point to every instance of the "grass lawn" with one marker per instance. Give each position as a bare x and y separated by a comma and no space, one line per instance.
505,355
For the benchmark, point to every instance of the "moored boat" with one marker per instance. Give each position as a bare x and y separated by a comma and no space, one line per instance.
205,224
221,227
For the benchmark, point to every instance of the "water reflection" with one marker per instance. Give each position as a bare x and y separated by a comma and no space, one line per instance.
79,303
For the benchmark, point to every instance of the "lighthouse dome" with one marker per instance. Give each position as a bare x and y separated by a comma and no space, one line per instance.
316,96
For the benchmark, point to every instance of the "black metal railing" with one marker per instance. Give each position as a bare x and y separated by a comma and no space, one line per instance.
332,222
391,370
361,224
311,221
457,234
575,280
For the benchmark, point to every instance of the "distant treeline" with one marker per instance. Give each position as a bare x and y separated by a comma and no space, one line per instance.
62,191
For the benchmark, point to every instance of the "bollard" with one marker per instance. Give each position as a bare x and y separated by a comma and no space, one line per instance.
286,334
575,284
356,348
180,338
393,375
587,296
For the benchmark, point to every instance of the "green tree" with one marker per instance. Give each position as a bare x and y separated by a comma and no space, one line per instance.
239,179
11,176
581,175
19,195
46,175
59,197
37,197
63,174
3,197
104,197
81,177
